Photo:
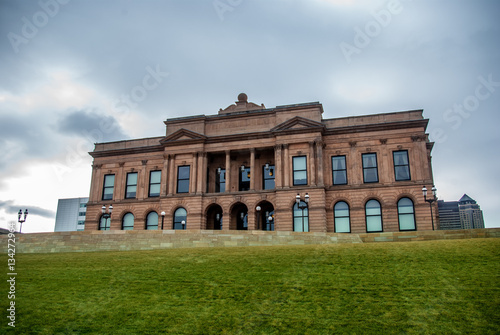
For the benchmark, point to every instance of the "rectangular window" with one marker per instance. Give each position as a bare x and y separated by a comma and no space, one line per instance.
339,170
131,189
220,180
82,213
109,185
299,170
244,179
83,205
183,179
370,172
154,183
401,165
268,177
81,222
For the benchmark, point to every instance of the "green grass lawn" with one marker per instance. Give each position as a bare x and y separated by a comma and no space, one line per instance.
439,287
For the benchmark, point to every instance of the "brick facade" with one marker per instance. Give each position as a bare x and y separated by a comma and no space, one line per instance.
251,136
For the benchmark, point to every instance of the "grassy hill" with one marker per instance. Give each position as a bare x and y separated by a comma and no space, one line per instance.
447,287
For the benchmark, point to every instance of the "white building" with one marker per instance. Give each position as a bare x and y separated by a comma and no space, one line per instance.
70,214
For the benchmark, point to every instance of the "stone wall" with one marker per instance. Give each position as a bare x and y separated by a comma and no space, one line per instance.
117,240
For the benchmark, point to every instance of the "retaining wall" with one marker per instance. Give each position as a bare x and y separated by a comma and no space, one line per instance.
116,240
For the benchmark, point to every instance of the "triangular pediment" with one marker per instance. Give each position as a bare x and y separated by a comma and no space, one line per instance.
298,123
183,135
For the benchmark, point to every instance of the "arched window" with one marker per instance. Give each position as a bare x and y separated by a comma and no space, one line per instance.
180,217
406,214
373,213
152,221
104,223
342,220
128,221
300,217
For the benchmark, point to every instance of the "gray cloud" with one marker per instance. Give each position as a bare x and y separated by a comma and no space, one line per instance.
90,125
9,207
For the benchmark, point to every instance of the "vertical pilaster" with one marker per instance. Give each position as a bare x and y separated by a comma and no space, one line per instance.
142,181
278,173
171,174
164,176
252,169
286,163
202,168
228,175
194,174
312,164
319,157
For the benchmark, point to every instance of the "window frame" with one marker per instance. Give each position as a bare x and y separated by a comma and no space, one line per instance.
335,217
105,226
369,168
265,176
373,215
403,214
104,187
152,225
127,185
242,185
220,186
294,171
154,184
175,222
295,209
123,221
335,170
399,165
179,180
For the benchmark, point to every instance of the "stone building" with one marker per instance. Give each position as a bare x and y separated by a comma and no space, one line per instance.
283,168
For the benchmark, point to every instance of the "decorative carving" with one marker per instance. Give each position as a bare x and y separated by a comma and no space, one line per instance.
144,161
121,164
383,141
400,147
368,149
337,152
132,169
418,138
278,147
353,143
97,166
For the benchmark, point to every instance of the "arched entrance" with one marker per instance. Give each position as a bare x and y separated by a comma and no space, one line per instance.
265,216
214,217
239,217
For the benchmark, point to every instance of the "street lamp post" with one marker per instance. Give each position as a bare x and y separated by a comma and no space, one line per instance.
162,219
23,219
106,214
258,209
302,204
183,224
430,201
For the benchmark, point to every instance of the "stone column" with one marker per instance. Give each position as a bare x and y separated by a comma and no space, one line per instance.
142,183
278,171
252,169
228,173
319,157
171,175
164,176
312,164
202,175
286,170
193,174
225,220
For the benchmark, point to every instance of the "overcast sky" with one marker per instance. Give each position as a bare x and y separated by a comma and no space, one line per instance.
75,72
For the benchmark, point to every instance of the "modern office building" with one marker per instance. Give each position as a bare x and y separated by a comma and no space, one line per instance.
255,168
462,214
70,215
471,215
449,215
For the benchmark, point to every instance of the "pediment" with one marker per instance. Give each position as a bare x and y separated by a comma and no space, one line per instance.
183,135
298,123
